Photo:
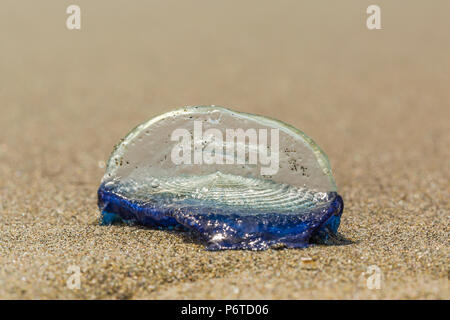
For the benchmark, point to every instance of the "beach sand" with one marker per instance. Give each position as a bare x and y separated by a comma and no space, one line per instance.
376,101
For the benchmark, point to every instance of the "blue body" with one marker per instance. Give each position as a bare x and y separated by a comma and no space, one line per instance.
226,227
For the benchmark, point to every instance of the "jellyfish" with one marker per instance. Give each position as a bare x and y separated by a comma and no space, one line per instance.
235,180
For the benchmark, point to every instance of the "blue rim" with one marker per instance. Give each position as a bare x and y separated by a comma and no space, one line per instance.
222,229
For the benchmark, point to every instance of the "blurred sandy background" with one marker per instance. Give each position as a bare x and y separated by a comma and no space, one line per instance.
377,102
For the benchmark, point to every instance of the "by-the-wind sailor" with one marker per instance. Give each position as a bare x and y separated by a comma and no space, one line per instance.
240,181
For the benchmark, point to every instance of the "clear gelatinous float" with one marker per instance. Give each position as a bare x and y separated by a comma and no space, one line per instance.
239,181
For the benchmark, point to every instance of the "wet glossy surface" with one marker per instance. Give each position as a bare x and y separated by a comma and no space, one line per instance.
234,209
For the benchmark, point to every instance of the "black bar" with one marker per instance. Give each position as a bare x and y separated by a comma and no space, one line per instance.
227,309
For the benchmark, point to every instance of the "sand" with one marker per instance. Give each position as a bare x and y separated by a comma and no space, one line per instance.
377,102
